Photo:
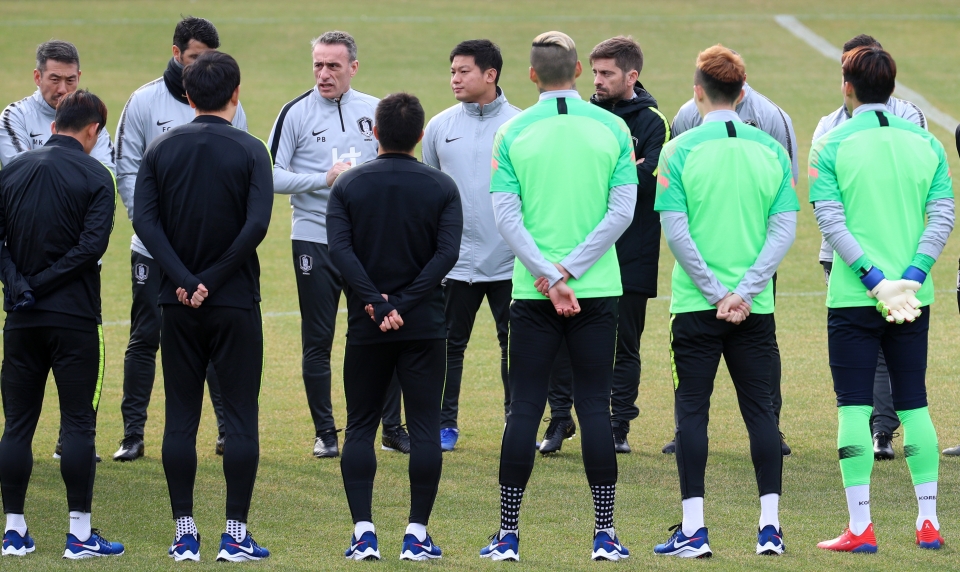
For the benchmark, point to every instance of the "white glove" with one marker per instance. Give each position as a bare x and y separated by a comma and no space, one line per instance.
897,300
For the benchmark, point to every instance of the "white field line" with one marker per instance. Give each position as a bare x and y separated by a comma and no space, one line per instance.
795,27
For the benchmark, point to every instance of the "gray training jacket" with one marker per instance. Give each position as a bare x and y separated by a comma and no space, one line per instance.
25,125
459,142
310,135
150,112
756,110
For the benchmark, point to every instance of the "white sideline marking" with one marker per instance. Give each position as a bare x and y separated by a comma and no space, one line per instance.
791,24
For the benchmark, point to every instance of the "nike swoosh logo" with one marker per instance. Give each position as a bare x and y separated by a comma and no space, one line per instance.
452,140
95,547
685,542
245,549
356,546
315,133
164,123
615,545
36,134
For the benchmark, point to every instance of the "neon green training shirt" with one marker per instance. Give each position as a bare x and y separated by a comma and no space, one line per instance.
729,178
562,156
884,176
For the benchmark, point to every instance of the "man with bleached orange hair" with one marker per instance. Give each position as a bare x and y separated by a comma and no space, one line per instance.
728,211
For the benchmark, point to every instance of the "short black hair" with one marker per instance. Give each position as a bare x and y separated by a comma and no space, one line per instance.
400,119
872,73
486,55
858,41
58,51
199,29
77,110
211,80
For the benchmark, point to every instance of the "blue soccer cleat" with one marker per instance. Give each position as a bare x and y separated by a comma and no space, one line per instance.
187,547
16,545
365,548
448,438
770,541
696,546
96,545
606,548
233,551
413,549
506,548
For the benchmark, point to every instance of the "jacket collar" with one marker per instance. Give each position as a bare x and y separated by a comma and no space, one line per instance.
43,106
746,93
488,110
723,115
64,141
868,107
210,119
344,99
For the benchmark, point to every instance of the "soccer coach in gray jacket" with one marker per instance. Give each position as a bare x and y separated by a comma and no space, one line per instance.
459,142
317,136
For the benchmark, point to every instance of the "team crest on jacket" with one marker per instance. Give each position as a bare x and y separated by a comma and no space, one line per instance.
366,127
306,263
141,272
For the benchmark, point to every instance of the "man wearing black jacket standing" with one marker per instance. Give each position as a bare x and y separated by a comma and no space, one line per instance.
56,214
616,64
394,227
202,205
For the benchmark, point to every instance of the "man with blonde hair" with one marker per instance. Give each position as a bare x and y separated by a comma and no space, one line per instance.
564,188
728,211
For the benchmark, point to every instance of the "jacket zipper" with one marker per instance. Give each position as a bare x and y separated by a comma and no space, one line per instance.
340,111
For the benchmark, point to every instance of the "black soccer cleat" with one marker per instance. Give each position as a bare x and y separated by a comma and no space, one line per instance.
557,431
326,445
620,431
395,438
131,449
221,442
883,446
784,448
670,448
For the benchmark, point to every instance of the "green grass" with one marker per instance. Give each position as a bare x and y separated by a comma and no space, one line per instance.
299,510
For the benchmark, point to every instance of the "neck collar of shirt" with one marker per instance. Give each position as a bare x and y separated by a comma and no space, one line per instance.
723,115
343,99
43,106
889,106
869,107
396,156
558,93
487,110
64,141
210,119
746,93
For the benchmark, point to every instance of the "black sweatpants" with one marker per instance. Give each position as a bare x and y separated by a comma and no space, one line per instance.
461,302
697,340
367,371
318,290
536,333
140,361
231,338
632,310
77,360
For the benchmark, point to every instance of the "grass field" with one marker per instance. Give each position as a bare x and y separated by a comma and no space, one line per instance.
299,509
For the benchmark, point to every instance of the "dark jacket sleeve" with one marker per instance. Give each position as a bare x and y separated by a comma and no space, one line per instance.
259,208
449,232
146,223
654,135
340,244
958,139
97,225
16,290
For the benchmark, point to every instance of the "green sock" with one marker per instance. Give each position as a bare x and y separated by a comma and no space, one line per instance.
855,444
920,445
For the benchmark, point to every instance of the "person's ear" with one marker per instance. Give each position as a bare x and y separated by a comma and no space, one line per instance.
376,133
190,101
578,70
419,139
533,75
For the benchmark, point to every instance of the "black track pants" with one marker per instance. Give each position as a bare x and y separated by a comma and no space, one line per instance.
232,339
536,333
367,373
76,358
697,340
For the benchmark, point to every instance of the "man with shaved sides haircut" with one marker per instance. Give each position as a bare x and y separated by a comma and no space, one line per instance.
729,214
882,259
564,188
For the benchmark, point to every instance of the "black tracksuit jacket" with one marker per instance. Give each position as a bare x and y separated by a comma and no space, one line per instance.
56,213
638,249
201,206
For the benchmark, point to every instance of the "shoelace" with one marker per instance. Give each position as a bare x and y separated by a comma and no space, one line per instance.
96,532
620,434
552,428
327,435
127,442
676,530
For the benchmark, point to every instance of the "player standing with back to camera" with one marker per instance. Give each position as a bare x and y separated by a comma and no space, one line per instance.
459,142
151,111
316,137
202,204
56,214
883,198
564,189
395,227
729,214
